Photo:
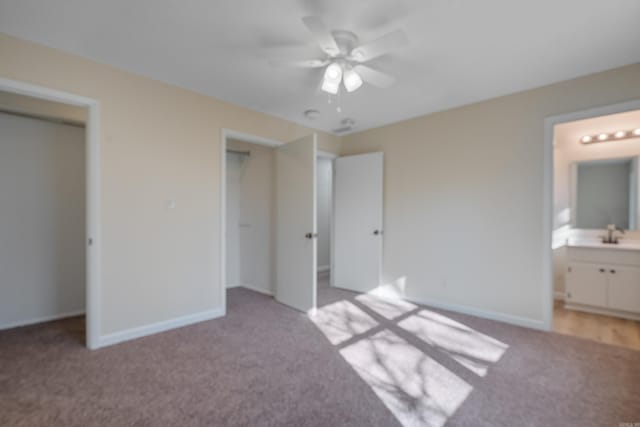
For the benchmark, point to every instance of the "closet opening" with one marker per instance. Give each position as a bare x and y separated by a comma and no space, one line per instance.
48,202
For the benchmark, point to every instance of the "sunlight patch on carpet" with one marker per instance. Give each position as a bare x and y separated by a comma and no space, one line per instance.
416,389
341,321
389,308
472,349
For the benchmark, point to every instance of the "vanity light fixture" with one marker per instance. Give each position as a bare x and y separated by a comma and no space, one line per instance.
618,135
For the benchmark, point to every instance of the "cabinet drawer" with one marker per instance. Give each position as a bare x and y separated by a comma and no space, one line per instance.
606,256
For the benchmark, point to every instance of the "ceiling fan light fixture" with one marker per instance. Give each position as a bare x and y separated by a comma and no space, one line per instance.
334,72
332,78
352,80
330,86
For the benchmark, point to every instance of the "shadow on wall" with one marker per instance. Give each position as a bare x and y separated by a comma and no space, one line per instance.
386,342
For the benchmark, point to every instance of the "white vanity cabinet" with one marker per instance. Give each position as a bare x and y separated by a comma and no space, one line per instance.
604,280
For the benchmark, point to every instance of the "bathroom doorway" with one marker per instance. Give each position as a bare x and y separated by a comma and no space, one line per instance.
595,239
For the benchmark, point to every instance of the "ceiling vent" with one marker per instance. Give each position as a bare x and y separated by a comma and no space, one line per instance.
311,114
346,125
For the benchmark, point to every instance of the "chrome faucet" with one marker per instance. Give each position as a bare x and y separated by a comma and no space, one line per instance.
611,237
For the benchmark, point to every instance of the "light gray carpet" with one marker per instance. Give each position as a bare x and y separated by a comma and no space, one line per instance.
268,365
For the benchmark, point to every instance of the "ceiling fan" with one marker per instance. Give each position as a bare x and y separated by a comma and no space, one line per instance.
345,57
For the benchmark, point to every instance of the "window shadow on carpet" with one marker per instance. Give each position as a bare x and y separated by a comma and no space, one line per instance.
415,360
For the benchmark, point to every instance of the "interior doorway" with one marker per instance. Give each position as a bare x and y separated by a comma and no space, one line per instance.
53,184
293,216
325,189
595,240
269,217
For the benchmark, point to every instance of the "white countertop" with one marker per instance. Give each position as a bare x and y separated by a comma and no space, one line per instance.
628,245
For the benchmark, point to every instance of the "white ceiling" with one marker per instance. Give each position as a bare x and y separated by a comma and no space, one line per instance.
461,51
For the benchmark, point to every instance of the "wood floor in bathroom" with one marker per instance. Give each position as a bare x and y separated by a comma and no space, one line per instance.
605,329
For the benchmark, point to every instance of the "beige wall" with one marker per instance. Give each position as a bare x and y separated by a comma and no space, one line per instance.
464,195
157,142
463,188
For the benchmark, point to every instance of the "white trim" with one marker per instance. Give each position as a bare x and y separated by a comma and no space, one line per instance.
547,194
154,328
559,295
326,154
93,251
245,137
485,314
258,290
64,315
253,139
324,268
602,311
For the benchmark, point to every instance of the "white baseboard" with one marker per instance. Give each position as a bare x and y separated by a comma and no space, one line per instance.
260,291
154,328
485,314
602,311
558,295
19,323
230,286
323,268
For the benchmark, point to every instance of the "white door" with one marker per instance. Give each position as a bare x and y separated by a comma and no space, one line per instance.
624,288
296,223
587,284
357,226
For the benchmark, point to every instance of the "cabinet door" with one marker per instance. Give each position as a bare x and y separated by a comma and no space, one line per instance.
624,288
587,284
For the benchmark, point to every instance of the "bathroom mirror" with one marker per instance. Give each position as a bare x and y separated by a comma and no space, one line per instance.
605,192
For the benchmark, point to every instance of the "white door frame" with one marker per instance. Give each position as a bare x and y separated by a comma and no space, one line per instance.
92,188
252,139
547,193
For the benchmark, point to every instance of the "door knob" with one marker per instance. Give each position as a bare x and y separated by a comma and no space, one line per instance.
377,232
613,271
311,235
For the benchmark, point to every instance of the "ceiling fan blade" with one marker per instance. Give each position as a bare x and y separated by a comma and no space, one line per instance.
323,35
374,77
298,63
380,46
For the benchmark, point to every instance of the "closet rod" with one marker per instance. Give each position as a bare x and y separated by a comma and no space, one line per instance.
244,153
